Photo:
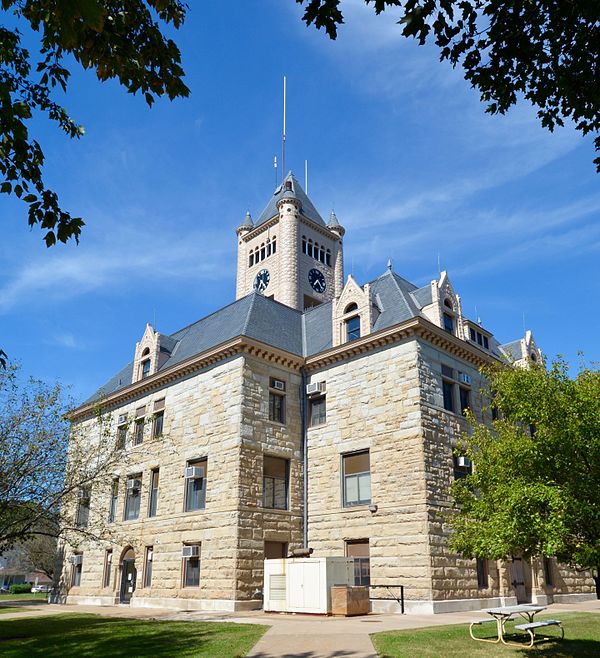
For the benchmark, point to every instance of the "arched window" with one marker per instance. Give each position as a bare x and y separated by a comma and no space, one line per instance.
274,247
310,248
145,365
448,303
303,244
268,247
328,258
251,259
533,357
350,308
262,251
353,327
322,254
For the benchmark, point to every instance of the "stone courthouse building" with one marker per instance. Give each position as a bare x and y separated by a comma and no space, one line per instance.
312,411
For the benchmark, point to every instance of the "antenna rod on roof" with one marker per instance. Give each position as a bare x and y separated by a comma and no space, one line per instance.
283,136
306,176
275,169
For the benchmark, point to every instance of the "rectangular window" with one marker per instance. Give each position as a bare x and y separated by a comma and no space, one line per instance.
153,501
359,550
486,343
448,391
318,411
83,507
356,474
195,487
448,323
465,399
157,426
132,497
482,573
139,432
148,566
353,328
145,368
121,437
107,567
472,333
277,400
275,482
191,568
548,577
114,501
76,570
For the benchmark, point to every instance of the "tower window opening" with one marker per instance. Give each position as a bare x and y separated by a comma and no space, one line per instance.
310,248
268,247
328,258
274,245
322,254
262,251
251,259
304,244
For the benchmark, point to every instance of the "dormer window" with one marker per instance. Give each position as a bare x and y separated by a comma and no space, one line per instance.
448,323
448,303
145,364
288,186
353,323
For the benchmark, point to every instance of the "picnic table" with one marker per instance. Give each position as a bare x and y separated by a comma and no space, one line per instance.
502,614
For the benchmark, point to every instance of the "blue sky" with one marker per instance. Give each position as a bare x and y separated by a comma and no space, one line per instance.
395,141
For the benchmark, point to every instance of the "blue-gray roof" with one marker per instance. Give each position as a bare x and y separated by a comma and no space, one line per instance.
296,192
300,333
513,350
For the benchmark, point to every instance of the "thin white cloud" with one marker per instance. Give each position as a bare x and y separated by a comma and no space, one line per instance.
129,255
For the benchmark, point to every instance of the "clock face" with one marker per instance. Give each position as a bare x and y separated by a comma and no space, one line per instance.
262,280
317,280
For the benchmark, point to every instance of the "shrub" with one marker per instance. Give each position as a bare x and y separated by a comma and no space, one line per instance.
23,588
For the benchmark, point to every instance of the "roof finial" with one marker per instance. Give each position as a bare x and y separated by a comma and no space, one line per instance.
389,264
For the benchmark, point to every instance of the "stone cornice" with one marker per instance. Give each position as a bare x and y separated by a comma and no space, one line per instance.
239,345
415,327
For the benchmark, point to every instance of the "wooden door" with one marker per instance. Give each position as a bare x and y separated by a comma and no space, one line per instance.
518,580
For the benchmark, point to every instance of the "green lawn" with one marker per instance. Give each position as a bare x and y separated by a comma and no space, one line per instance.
582,638
9,608
92,635
40,596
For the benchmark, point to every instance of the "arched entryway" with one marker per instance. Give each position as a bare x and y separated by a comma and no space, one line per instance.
128,575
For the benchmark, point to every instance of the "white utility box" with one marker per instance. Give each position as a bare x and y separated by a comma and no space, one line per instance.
304,584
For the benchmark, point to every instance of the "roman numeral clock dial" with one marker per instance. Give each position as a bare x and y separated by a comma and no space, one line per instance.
262,280
317,280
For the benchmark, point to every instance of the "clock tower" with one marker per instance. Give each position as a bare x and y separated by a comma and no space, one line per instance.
290,254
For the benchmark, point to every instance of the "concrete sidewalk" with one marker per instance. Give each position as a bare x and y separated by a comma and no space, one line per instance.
297,636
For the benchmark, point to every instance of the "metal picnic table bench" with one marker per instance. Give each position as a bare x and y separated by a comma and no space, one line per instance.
502,614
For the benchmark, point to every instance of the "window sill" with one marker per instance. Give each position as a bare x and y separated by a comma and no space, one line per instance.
277,510
310,427
360,507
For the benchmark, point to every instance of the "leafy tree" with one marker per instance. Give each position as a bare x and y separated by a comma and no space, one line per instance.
547,51
42,472
117,39
534,490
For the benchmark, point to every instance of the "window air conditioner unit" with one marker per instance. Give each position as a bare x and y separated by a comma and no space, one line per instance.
464,378
190,551
278,384
193,472
463,461
315,389
133,484
76,559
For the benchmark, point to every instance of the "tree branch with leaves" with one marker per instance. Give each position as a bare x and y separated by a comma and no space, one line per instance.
546,52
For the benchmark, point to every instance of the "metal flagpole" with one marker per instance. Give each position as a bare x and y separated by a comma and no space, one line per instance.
283,136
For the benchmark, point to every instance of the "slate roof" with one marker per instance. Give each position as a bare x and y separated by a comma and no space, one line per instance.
306,207
513,350
300,333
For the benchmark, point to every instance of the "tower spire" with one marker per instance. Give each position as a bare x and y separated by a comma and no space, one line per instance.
283,134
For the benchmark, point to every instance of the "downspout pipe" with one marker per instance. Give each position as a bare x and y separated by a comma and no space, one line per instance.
304,431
